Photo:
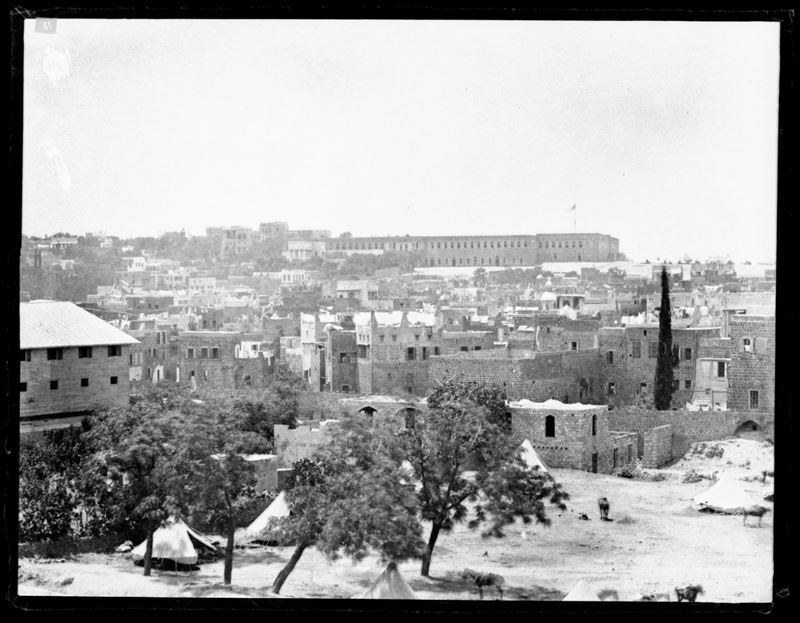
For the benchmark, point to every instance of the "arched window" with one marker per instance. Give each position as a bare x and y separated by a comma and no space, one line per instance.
550,426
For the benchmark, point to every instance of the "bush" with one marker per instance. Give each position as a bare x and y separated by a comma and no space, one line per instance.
632,469
657,476
692,476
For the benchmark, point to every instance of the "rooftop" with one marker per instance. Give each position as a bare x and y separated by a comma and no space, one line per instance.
58,324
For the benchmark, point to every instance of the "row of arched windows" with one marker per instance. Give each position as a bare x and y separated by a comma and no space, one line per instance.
452,244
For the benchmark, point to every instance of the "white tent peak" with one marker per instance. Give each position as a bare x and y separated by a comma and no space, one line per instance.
531,457
174,540
725,496
389,585
277,509
581,592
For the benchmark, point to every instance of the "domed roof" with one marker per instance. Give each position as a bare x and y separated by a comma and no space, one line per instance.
547,296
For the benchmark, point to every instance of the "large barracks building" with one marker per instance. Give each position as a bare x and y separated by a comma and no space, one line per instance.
519,250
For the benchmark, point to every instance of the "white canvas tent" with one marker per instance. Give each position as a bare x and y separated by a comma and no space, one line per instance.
277,509
726,496
531,458
175,541
389,585
581,592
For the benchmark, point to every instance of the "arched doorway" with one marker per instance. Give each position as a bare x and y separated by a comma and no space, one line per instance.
749,430
368,410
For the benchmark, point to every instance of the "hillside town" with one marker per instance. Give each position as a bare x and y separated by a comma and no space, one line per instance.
562,325
437,311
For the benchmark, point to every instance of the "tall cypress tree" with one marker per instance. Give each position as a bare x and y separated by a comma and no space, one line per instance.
664,363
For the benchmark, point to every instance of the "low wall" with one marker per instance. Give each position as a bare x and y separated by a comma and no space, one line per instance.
688,427
657,446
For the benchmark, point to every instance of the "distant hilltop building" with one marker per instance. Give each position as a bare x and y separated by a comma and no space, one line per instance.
509,250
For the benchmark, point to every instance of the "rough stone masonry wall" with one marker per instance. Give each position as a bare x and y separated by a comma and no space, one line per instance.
754,370
39,399
544,376
688,427
291,445
657,446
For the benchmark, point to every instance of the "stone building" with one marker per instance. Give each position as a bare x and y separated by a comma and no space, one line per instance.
629,356
711,374
341,360
571,376
572,436
70,361
513,250
393,351
219,360
751,382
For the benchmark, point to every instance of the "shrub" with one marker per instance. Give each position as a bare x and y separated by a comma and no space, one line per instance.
692,476
658,476
633,469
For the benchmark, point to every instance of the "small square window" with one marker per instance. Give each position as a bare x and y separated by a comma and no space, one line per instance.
687,354
190,353
84,352
84,382
114,351
55,353
114,380
53,384
687,384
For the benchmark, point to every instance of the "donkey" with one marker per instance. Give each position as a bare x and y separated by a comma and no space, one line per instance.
755,511
689,593
485,579
604,508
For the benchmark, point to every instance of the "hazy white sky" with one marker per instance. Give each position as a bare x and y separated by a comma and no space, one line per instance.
663,133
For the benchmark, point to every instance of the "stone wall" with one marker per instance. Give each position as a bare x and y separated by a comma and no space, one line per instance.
689,427
754,370
39,399
657,446
575,440
567,376
291,445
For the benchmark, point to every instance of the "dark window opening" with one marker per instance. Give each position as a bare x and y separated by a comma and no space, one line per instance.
114,351
84,382
114,380
550,426
610,356
53,384
84,352
24,355
594,425
753,399
55,353
411,354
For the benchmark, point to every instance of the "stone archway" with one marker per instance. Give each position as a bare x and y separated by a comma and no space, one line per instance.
368,410
749,429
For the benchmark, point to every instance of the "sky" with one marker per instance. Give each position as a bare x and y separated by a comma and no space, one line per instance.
662,134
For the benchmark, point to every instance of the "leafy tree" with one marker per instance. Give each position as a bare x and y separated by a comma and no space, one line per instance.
133,450
665,361
213,476
491,397
47,468
440,446
349,498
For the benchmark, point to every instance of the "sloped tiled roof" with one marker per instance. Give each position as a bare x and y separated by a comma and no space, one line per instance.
54,324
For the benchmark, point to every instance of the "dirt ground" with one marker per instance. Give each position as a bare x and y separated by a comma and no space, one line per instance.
654,543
